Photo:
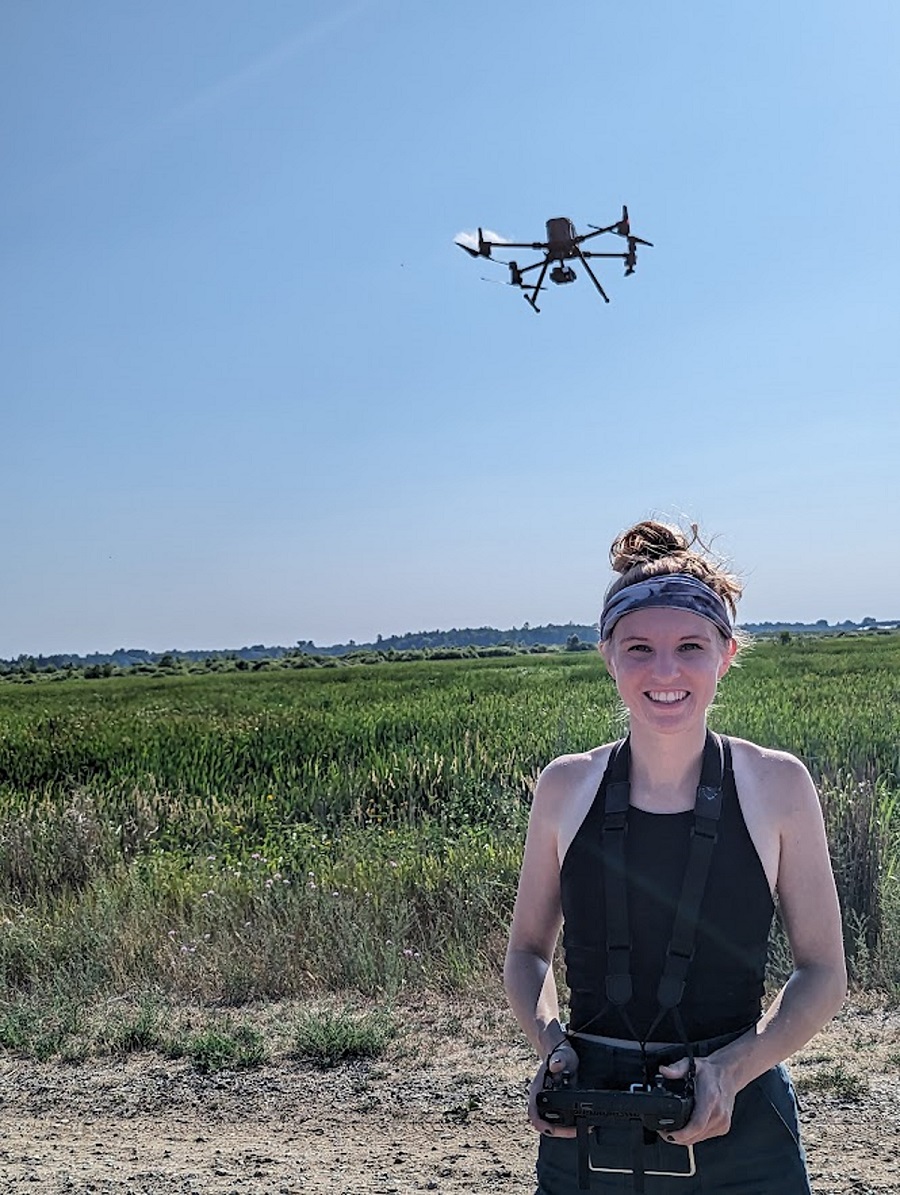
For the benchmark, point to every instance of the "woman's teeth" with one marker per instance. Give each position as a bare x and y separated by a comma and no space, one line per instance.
668,698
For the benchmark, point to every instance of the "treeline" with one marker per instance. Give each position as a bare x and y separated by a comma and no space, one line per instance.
550,635
28,670
457,643
138,659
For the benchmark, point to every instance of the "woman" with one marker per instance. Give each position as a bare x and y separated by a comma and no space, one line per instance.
670,982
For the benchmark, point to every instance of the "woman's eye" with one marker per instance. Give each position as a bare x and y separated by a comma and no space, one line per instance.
639,647
691,647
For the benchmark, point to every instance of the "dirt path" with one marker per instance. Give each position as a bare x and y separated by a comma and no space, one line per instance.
442,1112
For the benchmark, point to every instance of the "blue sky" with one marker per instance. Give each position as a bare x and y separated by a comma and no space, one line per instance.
250,392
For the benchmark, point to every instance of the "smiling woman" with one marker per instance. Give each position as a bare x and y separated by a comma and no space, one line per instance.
660,858
666,664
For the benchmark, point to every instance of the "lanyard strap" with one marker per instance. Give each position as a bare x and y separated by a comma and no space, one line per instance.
680,951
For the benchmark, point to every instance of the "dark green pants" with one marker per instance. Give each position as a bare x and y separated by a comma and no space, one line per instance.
760,1155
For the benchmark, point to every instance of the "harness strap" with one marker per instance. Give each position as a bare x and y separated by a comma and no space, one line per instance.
583,1135
638,1140
704,833
615,827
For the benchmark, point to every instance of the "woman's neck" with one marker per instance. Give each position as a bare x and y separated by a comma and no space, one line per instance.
665,769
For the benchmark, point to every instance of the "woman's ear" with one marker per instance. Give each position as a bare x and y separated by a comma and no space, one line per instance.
729,651
604,650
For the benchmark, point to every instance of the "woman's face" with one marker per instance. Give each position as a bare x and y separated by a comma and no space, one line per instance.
666,664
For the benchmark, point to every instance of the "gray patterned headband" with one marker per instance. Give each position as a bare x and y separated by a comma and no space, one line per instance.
677,591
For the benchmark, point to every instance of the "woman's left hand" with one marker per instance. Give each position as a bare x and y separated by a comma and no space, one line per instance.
713,1101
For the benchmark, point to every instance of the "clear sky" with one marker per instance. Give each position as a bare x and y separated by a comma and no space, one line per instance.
250,391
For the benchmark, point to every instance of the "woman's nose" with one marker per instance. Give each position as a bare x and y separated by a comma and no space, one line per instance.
665,665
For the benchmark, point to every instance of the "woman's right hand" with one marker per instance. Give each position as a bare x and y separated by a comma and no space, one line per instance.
561,1059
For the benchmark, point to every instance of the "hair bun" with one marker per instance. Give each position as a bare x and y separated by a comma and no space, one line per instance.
646,542
652,549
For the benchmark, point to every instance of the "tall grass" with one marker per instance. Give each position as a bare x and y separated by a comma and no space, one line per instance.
231,837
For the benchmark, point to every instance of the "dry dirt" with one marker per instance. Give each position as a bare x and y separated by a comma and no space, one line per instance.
443,1111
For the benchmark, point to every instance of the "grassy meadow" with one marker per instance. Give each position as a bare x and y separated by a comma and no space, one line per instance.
216,840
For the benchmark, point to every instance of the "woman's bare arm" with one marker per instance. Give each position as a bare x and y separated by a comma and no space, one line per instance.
811,916
537,919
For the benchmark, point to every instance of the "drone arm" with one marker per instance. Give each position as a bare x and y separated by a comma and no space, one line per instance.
591,274
532,298
629,257
534,266
586,236
517,245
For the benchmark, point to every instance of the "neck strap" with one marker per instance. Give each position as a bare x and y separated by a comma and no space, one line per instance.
707,809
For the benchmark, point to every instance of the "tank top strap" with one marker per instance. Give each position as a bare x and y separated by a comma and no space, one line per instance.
597,808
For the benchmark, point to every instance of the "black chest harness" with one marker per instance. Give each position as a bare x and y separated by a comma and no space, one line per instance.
680,951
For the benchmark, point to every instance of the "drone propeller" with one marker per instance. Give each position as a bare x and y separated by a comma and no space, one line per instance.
621,227
484,246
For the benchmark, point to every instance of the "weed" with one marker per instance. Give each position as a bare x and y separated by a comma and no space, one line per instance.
324,1039
835,1080
17,1028
137,1033
460,1112
224,1048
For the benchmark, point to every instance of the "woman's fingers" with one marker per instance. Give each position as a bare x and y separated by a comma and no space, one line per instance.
561,1061
713,1103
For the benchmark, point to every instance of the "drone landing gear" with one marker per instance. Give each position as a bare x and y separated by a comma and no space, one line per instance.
532,298
591,274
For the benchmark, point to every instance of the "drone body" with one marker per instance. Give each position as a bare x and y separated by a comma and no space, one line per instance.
563,244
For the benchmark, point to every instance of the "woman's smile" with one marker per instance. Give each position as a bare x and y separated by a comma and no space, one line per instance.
667,698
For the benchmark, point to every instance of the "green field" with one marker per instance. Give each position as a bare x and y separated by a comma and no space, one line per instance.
245,836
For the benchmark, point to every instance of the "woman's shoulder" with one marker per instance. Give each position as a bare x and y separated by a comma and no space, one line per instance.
568,776
565,792
770,772
575,765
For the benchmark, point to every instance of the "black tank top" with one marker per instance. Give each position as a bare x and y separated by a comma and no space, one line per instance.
725,980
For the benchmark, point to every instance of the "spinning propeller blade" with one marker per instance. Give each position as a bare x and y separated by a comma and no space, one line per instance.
484,245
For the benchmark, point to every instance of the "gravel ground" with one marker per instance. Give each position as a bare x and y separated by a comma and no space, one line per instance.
443,1110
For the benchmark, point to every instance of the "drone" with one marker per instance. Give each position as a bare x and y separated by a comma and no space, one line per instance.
562,245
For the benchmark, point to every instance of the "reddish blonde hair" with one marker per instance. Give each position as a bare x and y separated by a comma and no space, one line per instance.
651,549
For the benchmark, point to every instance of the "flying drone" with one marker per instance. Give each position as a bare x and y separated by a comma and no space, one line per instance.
562,245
